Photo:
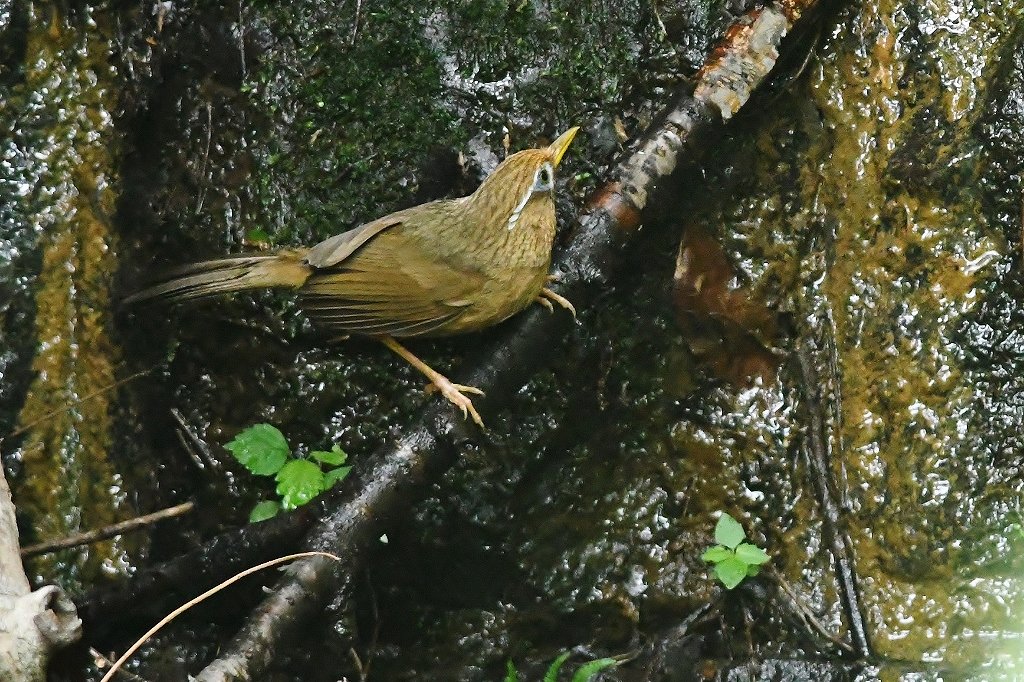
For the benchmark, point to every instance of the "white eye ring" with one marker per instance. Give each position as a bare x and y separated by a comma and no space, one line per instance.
544,178
543,181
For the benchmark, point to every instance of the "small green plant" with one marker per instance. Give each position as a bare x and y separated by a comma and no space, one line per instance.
734,559
257,236
263,450
584,673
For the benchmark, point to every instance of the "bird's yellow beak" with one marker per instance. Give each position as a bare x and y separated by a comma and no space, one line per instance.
558,147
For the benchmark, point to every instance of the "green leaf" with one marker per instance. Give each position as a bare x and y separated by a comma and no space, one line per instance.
335,475
267,509
298,482
552,674
753,570
717,553
261,449
333,457
731,572
728,531
589,670
510,672
751,554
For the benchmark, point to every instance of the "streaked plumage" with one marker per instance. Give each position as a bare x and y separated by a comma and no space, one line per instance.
441,268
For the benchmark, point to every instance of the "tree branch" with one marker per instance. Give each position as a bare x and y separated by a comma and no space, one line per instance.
395,477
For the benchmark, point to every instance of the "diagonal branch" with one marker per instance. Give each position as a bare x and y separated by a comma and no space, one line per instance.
396,476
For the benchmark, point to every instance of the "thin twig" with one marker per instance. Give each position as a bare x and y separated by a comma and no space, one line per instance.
203,597
241,41
355,22
357,661
805,613
102,661
206,158
817,451
107,531
75,403
192,442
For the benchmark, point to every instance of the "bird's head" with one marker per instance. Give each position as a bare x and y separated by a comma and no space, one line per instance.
524,184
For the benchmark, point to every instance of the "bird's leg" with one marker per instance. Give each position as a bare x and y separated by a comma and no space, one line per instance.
546,296
451,391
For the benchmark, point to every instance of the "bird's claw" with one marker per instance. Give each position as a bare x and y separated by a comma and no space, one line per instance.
546,296
462,388
455,393
545,302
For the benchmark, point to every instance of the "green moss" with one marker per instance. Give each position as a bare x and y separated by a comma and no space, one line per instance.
864,217
68,483
351,120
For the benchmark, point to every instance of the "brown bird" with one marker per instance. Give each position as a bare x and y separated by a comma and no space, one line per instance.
437,269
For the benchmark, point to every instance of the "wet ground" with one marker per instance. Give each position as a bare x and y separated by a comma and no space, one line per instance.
851,297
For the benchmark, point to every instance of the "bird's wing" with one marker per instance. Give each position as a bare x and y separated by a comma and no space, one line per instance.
336,249
392,286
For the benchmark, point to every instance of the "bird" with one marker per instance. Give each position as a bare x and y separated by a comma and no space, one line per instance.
441,268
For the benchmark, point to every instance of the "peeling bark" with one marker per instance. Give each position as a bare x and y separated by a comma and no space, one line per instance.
32,624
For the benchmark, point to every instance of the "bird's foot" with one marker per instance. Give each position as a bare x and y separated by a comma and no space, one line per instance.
547,296
439,382
455,393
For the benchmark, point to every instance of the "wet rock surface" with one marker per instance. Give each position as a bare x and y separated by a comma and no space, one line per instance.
866,215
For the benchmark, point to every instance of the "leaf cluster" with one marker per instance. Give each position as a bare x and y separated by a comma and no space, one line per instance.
584,673
264,451
733,559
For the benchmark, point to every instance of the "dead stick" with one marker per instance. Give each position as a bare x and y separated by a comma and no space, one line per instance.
818,457
73,403
107,531
805,613
145,595
203,597
102,662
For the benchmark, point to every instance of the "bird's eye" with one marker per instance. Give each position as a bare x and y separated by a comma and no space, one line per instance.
544,180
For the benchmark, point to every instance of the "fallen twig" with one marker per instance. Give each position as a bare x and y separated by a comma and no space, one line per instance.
206,595
194,445
817,449
144,595
71,404
805,613
107,531
102,662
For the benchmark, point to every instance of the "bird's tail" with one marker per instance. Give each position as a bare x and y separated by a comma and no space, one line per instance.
285,269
